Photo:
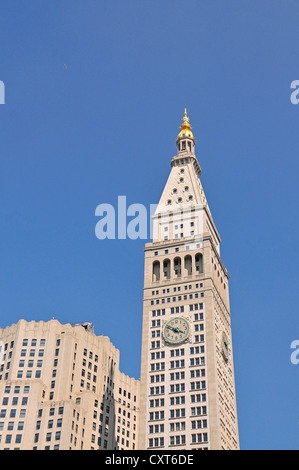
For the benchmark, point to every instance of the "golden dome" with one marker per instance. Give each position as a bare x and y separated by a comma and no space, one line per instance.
185,127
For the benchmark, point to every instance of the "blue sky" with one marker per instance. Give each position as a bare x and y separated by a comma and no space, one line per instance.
95,93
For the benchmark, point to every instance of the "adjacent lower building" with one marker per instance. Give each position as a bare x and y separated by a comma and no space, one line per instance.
61,388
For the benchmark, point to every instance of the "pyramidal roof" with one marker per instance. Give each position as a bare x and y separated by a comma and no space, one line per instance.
183,185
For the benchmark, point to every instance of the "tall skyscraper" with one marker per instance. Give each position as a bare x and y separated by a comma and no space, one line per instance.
61,388
188,398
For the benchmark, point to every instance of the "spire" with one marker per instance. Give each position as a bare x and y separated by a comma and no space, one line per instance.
185,127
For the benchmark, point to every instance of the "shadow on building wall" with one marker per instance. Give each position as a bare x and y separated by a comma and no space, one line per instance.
107,439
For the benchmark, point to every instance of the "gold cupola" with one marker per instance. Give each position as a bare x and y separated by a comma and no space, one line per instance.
185,140
185,128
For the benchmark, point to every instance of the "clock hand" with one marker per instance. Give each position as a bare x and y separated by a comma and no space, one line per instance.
175,329
178,330
169,327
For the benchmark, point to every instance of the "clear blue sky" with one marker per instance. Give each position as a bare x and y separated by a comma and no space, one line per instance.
95,92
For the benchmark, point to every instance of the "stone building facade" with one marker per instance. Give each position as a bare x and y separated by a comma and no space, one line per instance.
61,388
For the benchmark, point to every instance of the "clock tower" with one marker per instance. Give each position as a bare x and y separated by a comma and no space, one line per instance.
188,398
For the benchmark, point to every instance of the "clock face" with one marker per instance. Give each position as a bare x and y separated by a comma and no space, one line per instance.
225,346
176,330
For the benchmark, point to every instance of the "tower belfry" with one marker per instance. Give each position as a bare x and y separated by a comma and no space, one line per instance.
187,377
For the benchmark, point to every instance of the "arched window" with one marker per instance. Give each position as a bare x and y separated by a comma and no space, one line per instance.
177,267
188,265
166,269
199,263
156,271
